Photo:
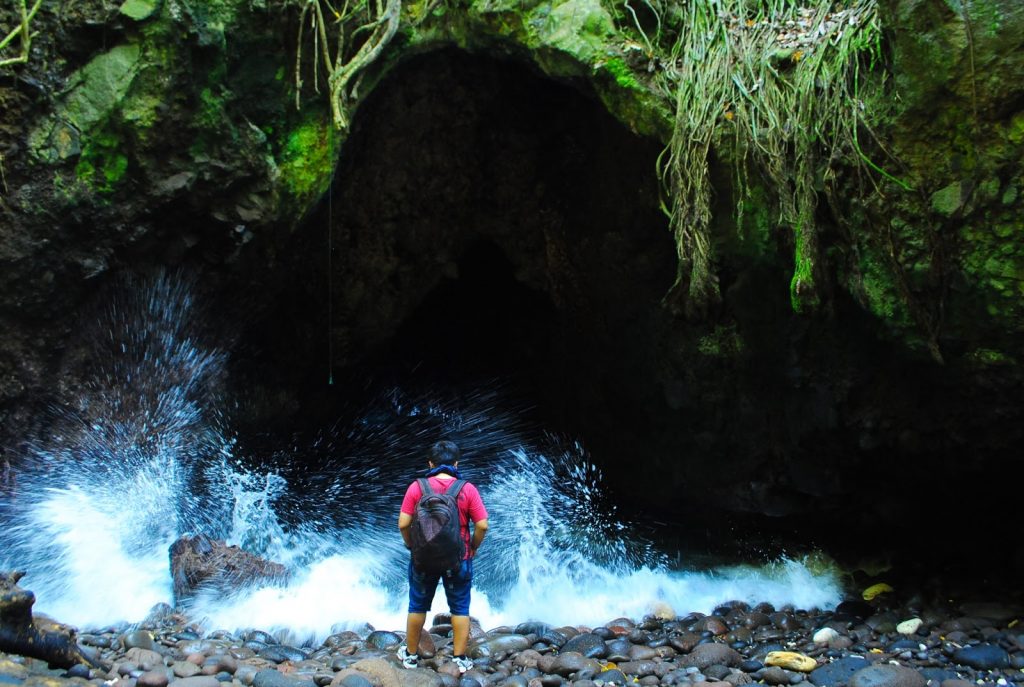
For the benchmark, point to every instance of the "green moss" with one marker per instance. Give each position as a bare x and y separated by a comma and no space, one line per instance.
621,72
1015,132
307,158
803,292
880,292
990,357
103,163
210,111
756,223
723,342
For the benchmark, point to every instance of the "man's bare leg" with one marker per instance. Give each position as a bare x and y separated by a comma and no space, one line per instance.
414,627
460,633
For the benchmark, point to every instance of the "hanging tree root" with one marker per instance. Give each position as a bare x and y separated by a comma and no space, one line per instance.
343,68
37,637
22,30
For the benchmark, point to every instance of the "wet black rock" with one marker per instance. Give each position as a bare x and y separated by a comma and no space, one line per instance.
887,675
982,657
380,639
704,655
837,672
588,644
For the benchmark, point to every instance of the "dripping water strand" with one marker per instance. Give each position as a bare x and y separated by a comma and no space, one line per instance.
330,257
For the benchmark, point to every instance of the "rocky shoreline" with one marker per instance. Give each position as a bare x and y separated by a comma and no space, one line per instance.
874,640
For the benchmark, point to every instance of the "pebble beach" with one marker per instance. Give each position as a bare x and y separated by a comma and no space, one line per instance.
876,638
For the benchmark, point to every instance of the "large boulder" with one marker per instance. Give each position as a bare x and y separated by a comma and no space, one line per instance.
200,563
21,633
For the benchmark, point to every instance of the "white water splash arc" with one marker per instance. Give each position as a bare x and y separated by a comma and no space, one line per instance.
147,460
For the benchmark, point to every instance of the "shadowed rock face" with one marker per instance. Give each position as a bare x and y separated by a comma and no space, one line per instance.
42,638
203,564
490,220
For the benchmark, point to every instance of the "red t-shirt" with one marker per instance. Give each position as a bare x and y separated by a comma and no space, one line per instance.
471,506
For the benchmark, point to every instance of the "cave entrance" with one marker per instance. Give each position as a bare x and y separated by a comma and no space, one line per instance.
480,322
485,221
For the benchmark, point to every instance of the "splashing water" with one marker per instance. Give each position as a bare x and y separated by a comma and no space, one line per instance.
143,458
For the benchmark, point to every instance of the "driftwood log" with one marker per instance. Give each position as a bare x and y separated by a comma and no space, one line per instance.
200,563
35,637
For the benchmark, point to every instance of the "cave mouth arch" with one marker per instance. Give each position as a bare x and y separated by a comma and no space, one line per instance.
477,191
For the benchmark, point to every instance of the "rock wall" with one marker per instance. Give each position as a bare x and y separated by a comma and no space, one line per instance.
152,135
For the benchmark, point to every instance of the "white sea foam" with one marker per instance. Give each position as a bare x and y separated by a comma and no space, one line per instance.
93,515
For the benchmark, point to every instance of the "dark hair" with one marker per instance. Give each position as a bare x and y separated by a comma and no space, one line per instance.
444,453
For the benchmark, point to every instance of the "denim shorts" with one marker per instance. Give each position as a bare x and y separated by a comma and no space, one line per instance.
457,584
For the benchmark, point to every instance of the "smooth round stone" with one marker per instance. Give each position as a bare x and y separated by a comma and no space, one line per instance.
903,645
684,642
853,609
531,628
353,680
571,662
527,658
982,657
618,651
837,672
883,623
198,681
612,677
638,668
755,619
77,670
550,681
790,660
269,677
259,636
515,681
281,653
141,639
825,635
774,675
887,675
220,663
639,652
587,644
704,655
555,637
501,643
246,673
469,681
909,627
937,676
185,668
750,666
715,625
717,671
380,639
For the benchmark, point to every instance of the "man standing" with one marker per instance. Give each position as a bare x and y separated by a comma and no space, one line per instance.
458,578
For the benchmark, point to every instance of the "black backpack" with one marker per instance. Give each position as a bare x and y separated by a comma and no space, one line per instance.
435,535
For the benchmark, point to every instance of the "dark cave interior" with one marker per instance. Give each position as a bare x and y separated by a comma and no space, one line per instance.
489,227
489,224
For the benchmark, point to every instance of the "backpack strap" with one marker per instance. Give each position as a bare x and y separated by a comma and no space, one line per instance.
455,487
425,488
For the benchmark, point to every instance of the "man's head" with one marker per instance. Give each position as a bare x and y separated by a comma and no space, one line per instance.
444,453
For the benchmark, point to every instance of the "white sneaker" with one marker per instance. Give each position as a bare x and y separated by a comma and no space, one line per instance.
464,663
408,660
